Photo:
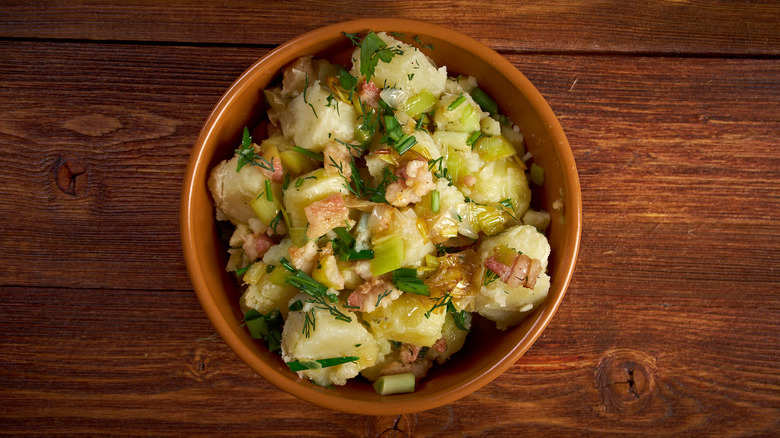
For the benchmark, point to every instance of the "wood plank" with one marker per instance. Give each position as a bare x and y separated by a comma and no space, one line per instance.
128,361
710,27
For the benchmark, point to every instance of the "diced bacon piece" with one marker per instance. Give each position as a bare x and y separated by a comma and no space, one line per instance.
374,293
409,353
368,93
326,215
278,174
523,272
415,181
256,245
337,160
305,257
440,346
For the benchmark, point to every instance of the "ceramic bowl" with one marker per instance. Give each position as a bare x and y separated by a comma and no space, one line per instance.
488,352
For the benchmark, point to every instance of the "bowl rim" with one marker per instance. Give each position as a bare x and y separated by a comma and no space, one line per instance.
477,378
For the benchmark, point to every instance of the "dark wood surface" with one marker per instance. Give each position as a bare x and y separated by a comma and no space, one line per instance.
671,325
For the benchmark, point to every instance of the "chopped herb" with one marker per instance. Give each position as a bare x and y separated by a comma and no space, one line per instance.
406,280
484,101
298,182
247,155
286,181
460,317
275,222
309,153
456,103
265,327
305,89
437,168
242,271
296,306
382,295
410,76
372,50
473,138
269,194
508,206
424,46
301,365
490,277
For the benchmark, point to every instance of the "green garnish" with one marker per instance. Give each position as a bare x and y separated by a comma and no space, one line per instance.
301,365
309,153
372,50
305,89
247,155
484,101
382,295
406,280
435,201
265,327
269,194
473,138
490,277
438,169
286,181
456,103
242,271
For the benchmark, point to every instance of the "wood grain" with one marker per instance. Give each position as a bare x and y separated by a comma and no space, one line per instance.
671,322
658,26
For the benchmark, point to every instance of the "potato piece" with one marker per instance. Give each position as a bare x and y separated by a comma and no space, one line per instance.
330,339
454,336
314,186
499,180
404,321
509,305
411,71
266,296
311,121
416,245
234,191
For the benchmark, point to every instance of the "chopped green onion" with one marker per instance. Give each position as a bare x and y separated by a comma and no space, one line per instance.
537,174
269,194
344,235
473,138
456,103
241,271
286,181
309,153
301,365
404,273
413,287
366,254
305,283
298,182
484,101
296,305
395,384
435,201
406,143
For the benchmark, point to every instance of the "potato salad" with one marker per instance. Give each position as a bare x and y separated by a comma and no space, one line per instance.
377,209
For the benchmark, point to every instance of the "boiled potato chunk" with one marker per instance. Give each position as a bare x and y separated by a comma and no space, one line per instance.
411,71
234,191
499,180
509,305
314,186
266,296
404,321
331,338
454,336
311,120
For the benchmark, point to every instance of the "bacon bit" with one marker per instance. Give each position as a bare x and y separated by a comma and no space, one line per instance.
469,180
523,272
368,93
415,181
367,295
326,215
256,245
337,153
440,346
305,257
409,353
419,368
278,174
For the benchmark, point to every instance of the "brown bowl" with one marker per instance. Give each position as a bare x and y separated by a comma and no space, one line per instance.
488,352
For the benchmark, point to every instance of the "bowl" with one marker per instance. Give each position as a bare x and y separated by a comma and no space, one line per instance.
488,352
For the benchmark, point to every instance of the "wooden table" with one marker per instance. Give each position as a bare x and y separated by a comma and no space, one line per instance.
671,324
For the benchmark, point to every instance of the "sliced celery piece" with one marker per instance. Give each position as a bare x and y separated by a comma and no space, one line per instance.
420,103
388,255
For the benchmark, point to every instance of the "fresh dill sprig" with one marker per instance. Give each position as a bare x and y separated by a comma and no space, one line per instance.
247,155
